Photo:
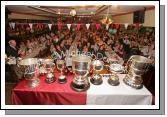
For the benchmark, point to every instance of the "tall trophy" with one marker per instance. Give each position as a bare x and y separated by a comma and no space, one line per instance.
30,67
60,66
49,66
81,67
136,66
97,78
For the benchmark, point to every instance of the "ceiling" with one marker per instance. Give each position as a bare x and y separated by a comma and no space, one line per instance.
82,11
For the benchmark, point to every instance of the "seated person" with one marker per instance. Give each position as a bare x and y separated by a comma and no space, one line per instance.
79,47
134,50
118,48
54,54
62,47
101,52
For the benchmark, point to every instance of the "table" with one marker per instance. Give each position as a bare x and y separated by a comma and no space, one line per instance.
122,94
47,94
58,94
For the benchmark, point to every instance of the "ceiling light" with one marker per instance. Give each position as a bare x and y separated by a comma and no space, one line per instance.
92,12
73,12
107,18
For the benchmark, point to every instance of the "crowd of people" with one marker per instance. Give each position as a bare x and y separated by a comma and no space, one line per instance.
59,44
123,44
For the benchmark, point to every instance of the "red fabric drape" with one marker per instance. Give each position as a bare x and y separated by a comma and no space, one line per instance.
47,94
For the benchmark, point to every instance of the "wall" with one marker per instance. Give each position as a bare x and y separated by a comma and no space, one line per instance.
25,16
128,18
149,19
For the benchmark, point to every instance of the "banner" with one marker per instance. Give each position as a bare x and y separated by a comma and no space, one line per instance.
69,26
50,26
126,25
78,26
30,26
22,27
87,26
107,26
10,24
13,25
97,26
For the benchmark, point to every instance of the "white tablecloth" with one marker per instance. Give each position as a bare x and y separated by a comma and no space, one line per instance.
122,94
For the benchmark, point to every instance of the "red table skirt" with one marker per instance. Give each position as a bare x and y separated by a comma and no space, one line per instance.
47,94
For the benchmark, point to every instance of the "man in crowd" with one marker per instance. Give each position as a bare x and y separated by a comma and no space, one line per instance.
12,50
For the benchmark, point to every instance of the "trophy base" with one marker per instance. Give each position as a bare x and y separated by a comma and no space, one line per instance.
96,80
62,79
80,87
50,80
134,83
33,83
112,82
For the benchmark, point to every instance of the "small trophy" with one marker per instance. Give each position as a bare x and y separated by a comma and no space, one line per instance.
60,66
97,78
49,65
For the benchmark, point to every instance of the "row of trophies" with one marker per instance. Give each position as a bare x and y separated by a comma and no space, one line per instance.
136,67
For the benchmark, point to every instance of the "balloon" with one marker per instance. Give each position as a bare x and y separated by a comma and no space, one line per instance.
114,31
110,30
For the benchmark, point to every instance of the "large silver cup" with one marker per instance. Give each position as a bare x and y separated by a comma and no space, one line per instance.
97,78
30,67
81,67
137,65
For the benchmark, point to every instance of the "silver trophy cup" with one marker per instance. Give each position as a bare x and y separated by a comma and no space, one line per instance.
30,67
49,66
136,66
97,78
81,67
60,66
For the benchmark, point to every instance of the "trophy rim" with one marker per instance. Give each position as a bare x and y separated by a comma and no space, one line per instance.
81,58
141,59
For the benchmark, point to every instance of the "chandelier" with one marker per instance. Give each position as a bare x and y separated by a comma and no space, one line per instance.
73,12
107,18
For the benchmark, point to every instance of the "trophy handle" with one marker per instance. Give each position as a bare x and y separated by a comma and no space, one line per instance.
129,62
